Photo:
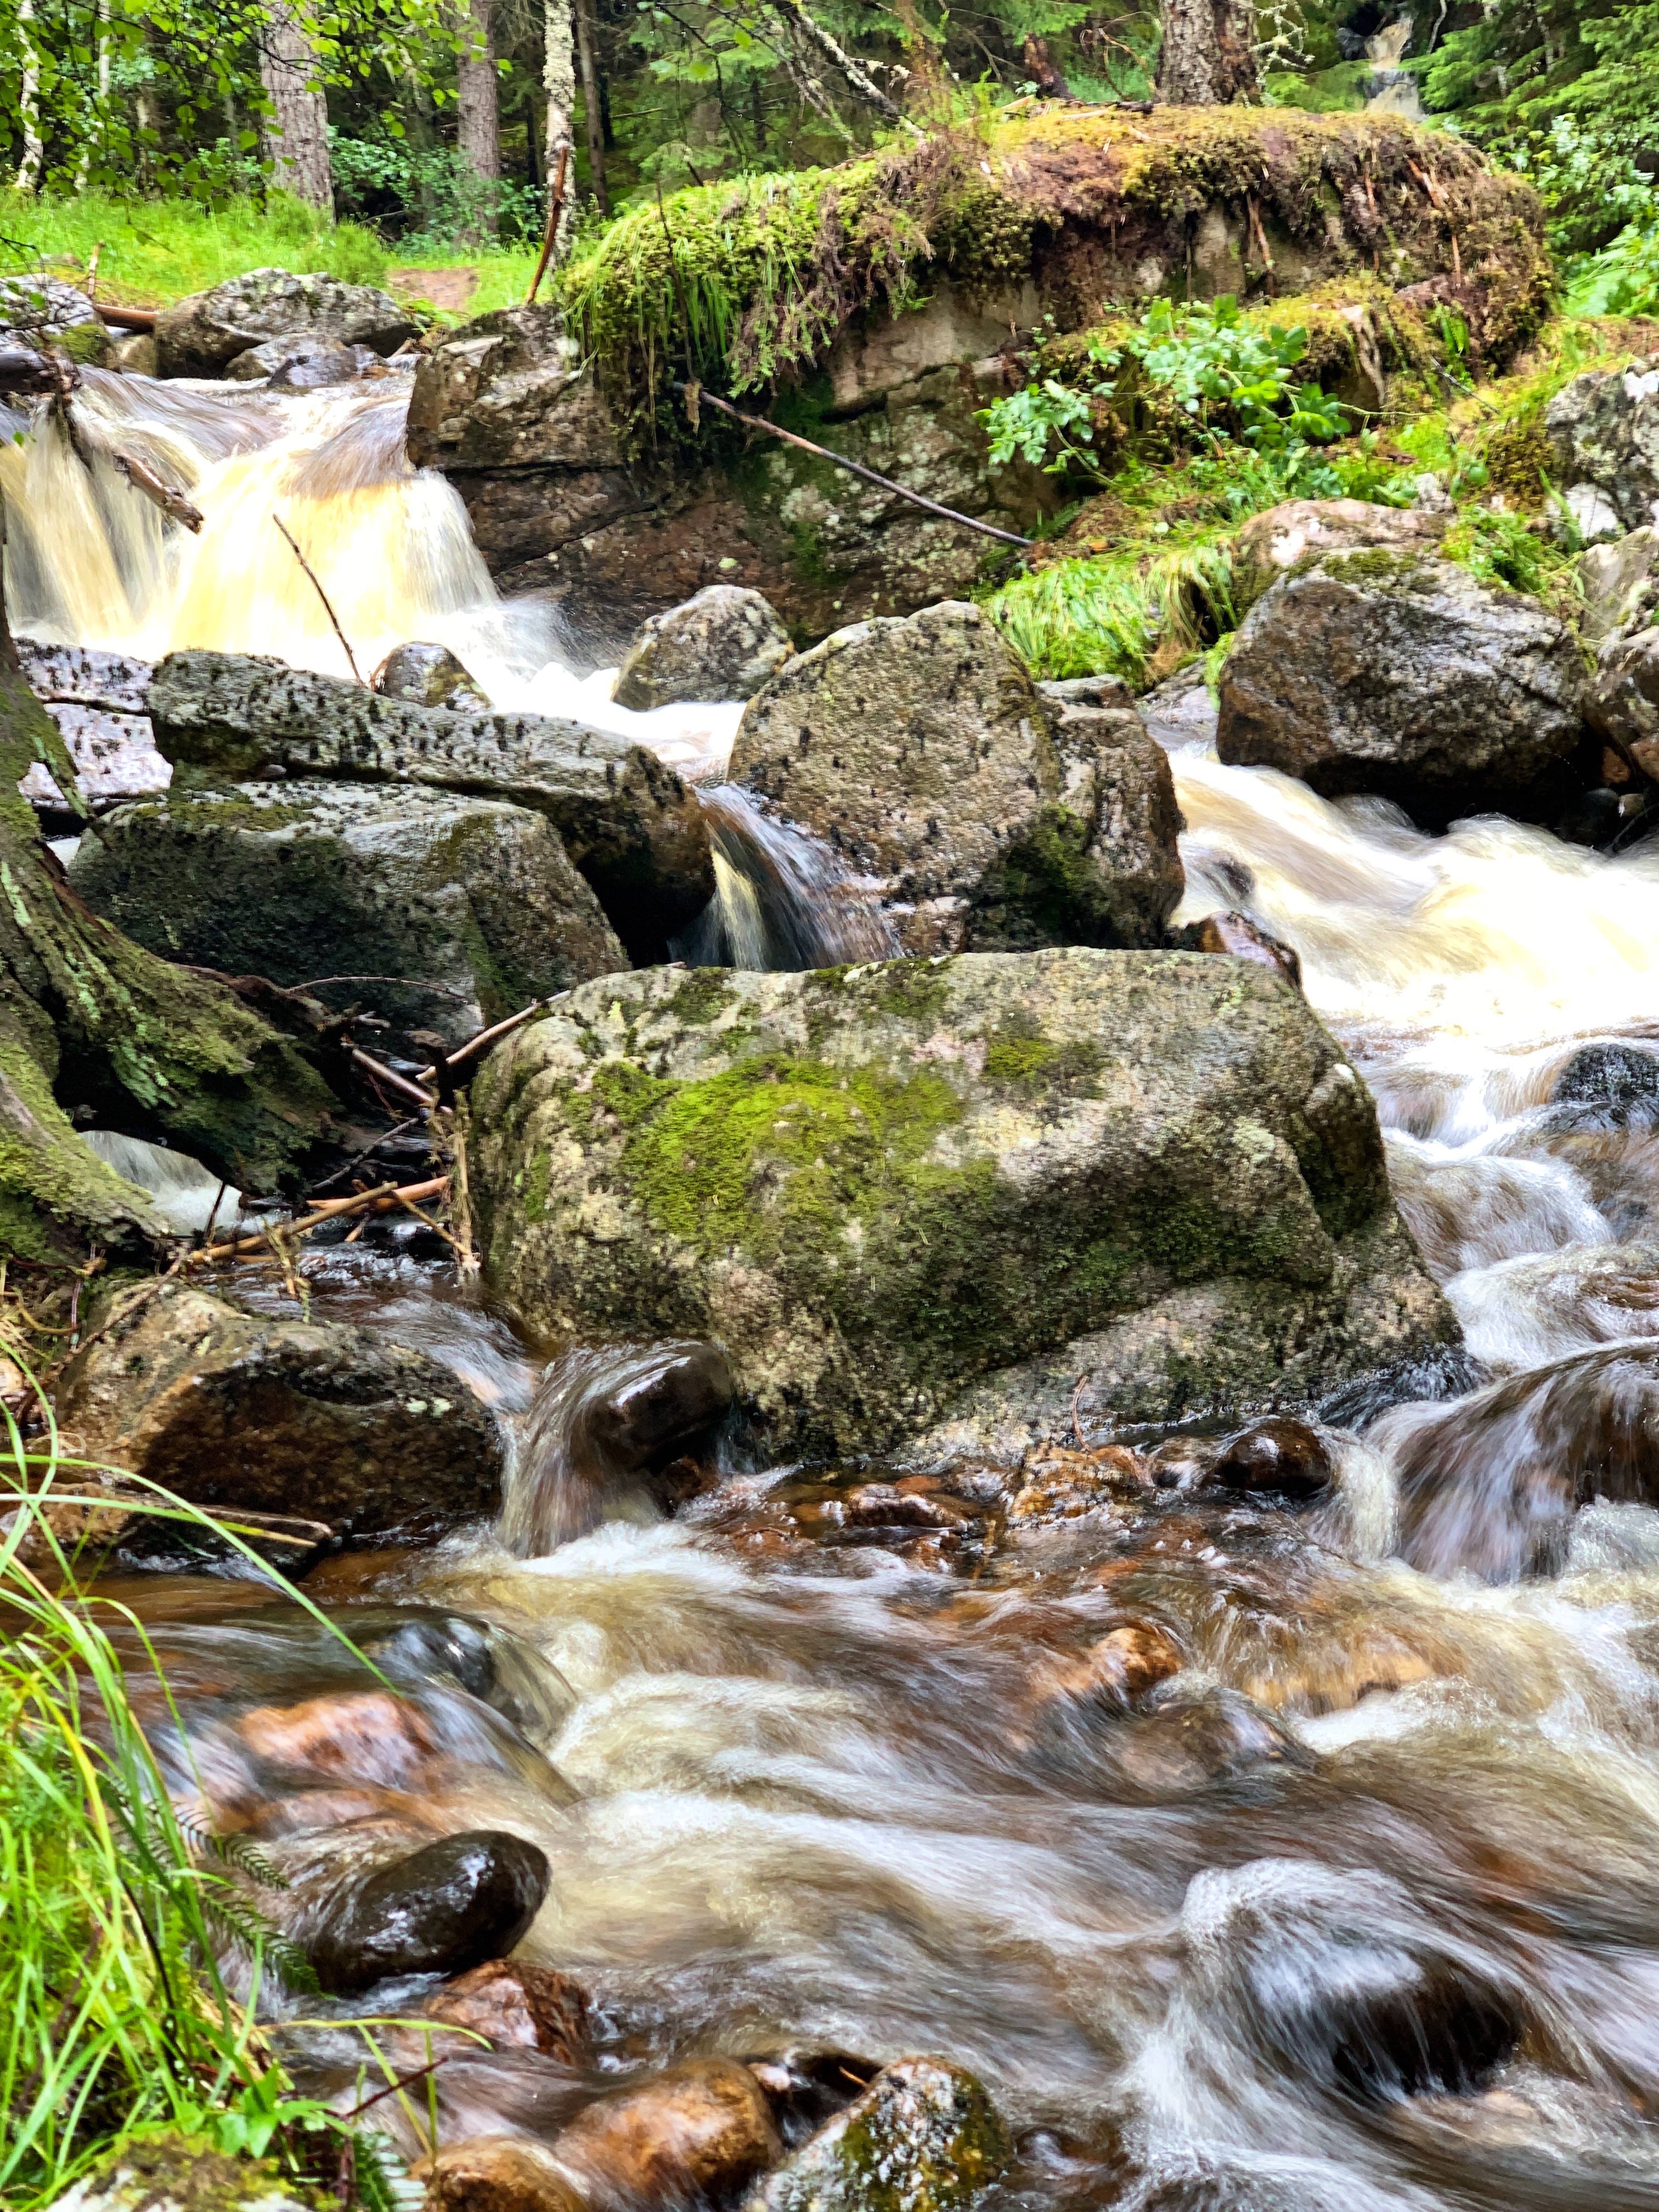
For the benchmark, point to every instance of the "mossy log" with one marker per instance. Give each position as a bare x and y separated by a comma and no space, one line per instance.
86,1017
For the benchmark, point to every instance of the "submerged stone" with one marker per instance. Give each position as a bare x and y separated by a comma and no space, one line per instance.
519,2007
923,2137
698,2131
498,2174
441,1911
918,1199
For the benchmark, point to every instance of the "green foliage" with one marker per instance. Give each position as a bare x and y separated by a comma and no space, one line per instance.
1623,279
160,249
1084,617
454,203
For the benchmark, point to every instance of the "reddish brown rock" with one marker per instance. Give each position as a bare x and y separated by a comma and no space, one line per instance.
358,1736
1238,936
1057,1484
1283,1457
519,2007
498,2173
698,2130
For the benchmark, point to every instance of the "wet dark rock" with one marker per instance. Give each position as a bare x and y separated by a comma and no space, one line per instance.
498,2174
180,2171
921,752
300,364
723,644
227,1408
429,676
654,1412
697,2131
1271,544
1387,673
1603,429
879,1188
1446,2033
461,1901
1283,1458
923,2137
475,904
1185,1741
40,310
628,822
128,1530
916,1517
807,2087
517,2006
1594,820
1238,938
201,335
1617,1084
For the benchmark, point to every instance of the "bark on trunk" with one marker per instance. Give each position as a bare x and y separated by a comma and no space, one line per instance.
296,129
591,103
84,1011
1208,57
559,77
478,120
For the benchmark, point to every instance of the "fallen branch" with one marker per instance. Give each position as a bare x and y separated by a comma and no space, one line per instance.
858,80
357,1158
383,1199
705,398
555,209
127,318
328,607
173,504
387,1075
488,1036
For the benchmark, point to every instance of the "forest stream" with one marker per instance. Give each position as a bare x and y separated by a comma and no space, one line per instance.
1361,1909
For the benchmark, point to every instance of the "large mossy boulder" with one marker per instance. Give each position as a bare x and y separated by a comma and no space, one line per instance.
474,902
884,1189
202,334
1388,671
988,818
628,822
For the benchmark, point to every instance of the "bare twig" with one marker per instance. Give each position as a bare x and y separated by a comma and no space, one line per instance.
858,80
555,209
488,1036
384,1074
407,983
381,1200
327,606
172,503
357,1158
856,468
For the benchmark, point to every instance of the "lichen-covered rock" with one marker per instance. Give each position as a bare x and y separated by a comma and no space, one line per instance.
45,310
1386,672
181,2174
1271,542
201,335
1603,429
694,2134
627,821
723,644
923,753
429,676
881,1187
923,2137
100,703
227,1408
474,902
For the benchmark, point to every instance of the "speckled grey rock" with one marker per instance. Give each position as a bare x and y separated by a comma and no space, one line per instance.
990,817
476,903
882,1189
1603,429
923,2137
723,644
201,335
100,701
429,676
38,308
303,363
1387,673
628,822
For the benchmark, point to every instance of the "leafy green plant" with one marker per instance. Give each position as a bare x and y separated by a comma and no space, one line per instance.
1084,618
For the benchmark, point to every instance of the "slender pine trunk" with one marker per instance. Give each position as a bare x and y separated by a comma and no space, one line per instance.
479,120
591,105
559,77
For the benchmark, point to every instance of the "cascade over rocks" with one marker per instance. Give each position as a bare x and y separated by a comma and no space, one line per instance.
227,1408
203,333
917,1200
475,902
723,644
1387,673
627,821
923,755
1603,429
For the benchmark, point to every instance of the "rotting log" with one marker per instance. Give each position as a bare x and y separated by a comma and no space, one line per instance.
89,1018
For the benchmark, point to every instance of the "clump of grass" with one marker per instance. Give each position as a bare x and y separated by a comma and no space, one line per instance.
1120,615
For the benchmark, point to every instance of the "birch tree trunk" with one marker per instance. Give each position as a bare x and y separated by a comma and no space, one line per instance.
559,77
478,116
590,101
28,101
296,129
1208,57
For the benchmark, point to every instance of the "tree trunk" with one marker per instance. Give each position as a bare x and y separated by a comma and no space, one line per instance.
1208,57
591,103
559,76
28,101
478,120
84,1011
296,129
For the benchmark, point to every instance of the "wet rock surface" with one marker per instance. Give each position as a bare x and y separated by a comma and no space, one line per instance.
922,754
821,1172
475,902
1238,938
1271,544
1603,429
697,2131
628,822
1285,1459
429,676
1383,673
442,1909
518,2006
725,643
923,2137
500,2173
227,1408
201,335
